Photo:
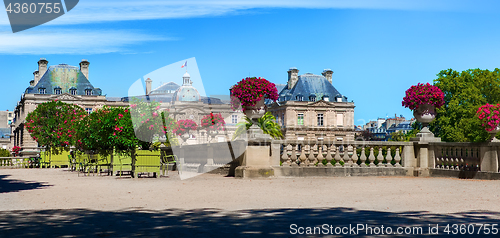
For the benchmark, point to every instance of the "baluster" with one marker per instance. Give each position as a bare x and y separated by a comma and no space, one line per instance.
388,158
380,157
354,157
284,157
293,157
397,158
371,157
320,155
346,158
363,158
311,158
328,155
302,156
337,156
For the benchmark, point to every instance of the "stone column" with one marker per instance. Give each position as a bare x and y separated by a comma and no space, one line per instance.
489,158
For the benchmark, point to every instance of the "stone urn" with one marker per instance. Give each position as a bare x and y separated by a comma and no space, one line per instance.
257,111
493,133
425,114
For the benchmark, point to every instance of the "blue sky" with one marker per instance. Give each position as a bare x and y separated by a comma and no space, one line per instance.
377,49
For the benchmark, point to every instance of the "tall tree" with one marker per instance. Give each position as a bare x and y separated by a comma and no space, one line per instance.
53,124
464,92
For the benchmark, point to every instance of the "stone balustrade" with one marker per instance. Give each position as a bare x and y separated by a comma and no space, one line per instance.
342,154
457,157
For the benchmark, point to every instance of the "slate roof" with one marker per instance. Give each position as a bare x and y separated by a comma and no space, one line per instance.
310,85
65,77
166,88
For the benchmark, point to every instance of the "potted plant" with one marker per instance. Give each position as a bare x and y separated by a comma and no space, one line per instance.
250,93
213,123
489,115
184,127
423,99
15,150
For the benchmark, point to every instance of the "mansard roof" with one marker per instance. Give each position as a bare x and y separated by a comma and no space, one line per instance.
65,77
310,85
165,88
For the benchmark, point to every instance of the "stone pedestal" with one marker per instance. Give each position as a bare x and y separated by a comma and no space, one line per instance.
259,157
425,135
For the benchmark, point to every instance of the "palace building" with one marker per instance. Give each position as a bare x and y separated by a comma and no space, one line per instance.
310,108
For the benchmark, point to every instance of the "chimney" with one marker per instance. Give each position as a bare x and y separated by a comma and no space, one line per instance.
328,74
36,78
42,68
148,86
293,77
84,67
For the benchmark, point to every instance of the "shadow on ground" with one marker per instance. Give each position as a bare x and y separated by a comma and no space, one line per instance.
221,223
10,185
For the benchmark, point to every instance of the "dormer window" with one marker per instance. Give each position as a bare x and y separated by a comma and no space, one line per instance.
72,91
57,90
88,92
326,98
299,98
41,91
312,98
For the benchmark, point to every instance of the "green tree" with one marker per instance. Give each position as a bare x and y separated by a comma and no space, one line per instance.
464,92
53,125
106,130
4,153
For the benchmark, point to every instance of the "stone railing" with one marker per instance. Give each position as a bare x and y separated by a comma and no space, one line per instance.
298,158
16,162
478,157
343,154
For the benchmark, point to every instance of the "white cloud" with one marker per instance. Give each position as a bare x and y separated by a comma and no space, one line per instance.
70,41
91,11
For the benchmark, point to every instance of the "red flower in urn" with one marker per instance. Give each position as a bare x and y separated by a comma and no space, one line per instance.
183,126
213,122
489,115
249,91
423,94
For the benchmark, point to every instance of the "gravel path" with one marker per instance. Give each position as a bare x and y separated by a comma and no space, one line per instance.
216,206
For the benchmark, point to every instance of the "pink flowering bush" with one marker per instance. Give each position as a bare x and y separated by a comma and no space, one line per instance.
53,124
213,122
423,94
183,126
249,91
489,115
